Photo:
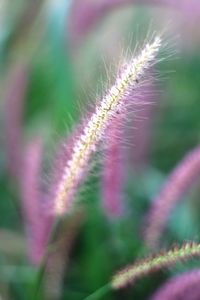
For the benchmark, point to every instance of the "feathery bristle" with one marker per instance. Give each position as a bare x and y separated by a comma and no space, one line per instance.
93,132
152,264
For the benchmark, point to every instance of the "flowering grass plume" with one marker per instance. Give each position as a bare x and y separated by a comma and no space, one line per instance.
14,96
180,180
184,286
141,133
147,266
38,224
110,106
61,156
113,171
31,197
116,153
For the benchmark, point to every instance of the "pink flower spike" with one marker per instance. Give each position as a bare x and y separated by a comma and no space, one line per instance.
184,286
15,89
95,129
31,197
179,182
142,127
138,104
113,175
61,156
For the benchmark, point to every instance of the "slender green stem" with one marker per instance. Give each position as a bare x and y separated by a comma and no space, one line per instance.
37,289
98,294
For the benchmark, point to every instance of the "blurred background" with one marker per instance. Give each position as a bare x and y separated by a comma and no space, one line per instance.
56,57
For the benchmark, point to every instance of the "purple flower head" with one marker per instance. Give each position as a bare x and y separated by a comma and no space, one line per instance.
38,225
63,154
136,112
113,170
147,266
184,286
101,119
177,184
142,123
15,89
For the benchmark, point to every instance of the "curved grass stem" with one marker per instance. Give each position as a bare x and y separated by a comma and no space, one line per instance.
98,294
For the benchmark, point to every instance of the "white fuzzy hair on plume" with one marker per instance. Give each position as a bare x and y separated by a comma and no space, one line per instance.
99,121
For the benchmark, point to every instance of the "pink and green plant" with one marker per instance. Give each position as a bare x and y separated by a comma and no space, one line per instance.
51,212
184,286
179,182
112,104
